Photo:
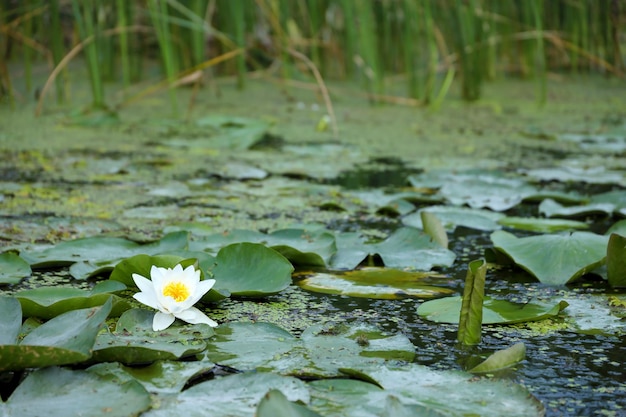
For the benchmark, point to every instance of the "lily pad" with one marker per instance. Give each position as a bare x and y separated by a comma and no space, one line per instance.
451,217
228,396
540,225
13,268
159,377
551,208
58,392
101,249
406,248
449,392
554,259
232,132
134,342
65,339
252,270
275,404
317,353
379,283
49,302
592,175
446,310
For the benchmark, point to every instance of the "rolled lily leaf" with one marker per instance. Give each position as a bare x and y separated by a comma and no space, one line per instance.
616,261
434,228
501,359
554,259
471,315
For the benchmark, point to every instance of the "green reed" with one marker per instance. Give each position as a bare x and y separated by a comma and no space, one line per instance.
84,21
411,51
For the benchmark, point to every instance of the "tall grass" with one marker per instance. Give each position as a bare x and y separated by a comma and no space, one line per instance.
410,51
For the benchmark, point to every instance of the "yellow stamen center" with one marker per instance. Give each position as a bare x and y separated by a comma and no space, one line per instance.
177,290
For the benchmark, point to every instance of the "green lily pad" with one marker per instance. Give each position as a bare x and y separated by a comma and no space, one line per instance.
617,198
134,342
551,208
447,310
266,347
13,268
541,225
407,248
165,377
58,392
65,339
448,392
300,246
252,270
228,396
275,404
451,217
592,175
380,283
11,322
49,302
554,259
502,359
98,250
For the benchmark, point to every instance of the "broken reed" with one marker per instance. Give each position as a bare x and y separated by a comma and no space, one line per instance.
410,48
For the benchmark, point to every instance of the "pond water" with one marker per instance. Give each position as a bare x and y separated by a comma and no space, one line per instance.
61,181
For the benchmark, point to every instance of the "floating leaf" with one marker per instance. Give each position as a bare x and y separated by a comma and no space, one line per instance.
551,208
317,353
252,270
380,283
554,259
11,320
446,310
275,404
451,217
134,342
227,396
233,132
158,377
616,260
13,268
98,250
58,392
450,393
541,225
65,339
502,359
49,302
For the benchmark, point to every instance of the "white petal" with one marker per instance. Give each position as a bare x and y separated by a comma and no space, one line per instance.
158,275
143,283
202,288
147,299
162,321
195,316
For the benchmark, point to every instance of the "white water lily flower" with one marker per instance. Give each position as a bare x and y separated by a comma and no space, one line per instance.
173,291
